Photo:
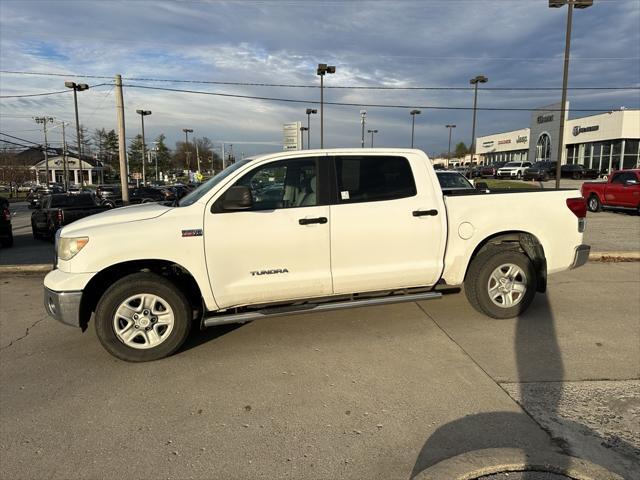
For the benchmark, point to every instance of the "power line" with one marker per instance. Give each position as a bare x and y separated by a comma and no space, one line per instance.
336,87
345,104
14,143
18,138
48,93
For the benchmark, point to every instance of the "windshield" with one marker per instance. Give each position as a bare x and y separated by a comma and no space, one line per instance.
453,180
513,164
202,190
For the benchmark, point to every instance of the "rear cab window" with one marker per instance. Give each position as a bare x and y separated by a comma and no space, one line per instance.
373,178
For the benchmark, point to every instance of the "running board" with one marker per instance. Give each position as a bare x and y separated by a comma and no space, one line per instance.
317,307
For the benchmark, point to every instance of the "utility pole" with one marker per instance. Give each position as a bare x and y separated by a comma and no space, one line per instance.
580,4
44,121
187,131
65,168
143,113
363,116
450,127
195,140
122,141
77,87
223,164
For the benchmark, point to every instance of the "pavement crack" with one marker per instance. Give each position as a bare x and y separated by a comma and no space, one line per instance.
26,334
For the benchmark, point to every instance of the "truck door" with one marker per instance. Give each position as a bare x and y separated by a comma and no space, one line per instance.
279,248
387,224
614,191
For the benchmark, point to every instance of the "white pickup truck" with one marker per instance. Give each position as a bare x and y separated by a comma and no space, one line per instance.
306,231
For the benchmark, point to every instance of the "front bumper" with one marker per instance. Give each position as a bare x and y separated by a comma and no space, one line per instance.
63,306
581,256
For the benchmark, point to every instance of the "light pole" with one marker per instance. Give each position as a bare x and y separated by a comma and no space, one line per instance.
322,70
565,75
372,132
413,114
450,127
475,81
77,87
363,116
44,121
310,111
187,131
302,130
143,113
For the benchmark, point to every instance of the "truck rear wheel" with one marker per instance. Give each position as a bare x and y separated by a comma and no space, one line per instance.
594,203
143,317
500,283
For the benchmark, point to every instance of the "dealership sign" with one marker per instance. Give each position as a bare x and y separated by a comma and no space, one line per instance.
522,139
504,142
487,144
577,130
291,136
545,118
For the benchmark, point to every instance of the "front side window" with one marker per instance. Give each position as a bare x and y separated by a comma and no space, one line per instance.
283,184
373,178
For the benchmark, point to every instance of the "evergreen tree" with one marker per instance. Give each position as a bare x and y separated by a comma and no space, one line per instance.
461,150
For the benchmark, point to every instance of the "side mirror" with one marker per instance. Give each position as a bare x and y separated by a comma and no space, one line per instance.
482,186
237,198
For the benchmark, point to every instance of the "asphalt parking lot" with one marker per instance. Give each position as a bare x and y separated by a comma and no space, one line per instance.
377,393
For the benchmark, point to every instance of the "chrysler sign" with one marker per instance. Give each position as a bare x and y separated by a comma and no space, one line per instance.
577,130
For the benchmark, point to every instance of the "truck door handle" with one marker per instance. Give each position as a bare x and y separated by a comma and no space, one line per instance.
308,221
423,213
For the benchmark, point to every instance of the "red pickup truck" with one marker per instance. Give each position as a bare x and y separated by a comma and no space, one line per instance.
621,190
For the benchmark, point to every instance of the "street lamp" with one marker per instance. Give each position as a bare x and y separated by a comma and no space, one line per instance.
77,87
475,81
187,131
143,113
310,111
450,127
322,70
44,121
413,114
302,130
565,75
363,115
372,132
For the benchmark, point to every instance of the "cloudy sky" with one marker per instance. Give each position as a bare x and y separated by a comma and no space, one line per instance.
435,43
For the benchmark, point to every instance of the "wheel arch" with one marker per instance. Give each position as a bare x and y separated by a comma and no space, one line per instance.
101,281
521,241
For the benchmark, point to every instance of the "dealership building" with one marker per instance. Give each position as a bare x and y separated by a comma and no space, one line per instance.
605,142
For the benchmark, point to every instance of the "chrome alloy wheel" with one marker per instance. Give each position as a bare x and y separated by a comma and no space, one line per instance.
507,285
143,321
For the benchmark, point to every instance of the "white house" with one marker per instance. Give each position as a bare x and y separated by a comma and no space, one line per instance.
79,171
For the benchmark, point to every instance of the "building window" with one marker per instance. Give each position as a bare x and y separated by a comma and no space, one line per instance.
630,154
543,148
615,156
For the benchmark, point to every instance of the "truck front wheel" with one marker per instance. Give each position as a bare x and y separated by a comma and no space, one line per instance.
594,204
143,317
501,283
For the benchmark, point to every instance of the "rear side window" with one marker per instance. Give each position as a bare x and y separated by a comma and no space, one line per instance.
373,178
72,201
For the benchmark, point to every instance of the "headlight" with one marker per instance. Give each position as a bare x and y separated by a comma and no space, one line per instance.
69,247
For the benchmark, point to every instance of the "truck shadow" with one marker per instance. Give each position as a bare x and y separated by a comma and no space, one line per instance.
199,336
539,359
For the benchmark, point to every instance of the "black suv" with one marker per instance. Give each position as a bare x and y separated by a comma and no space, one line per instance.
577,171
542,171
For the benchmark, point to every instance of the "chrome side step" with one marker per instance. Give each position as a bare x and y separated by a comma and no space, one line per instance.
220,319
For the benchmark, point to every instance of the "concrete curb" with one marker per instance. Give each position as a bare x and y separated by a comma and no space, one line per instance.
479,463
593,257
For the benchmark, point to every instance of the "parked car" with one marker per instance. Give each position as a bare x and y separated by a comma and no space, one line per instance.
452,182
621,190
6,232
513,170
146,195
541,171
220,256
62,209
491,171
577,171
34,198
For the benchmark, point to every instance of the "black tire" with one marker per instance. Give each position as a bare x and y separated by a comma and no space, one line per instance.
129,286
108,204
476,284
594,204
36,234
545,177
